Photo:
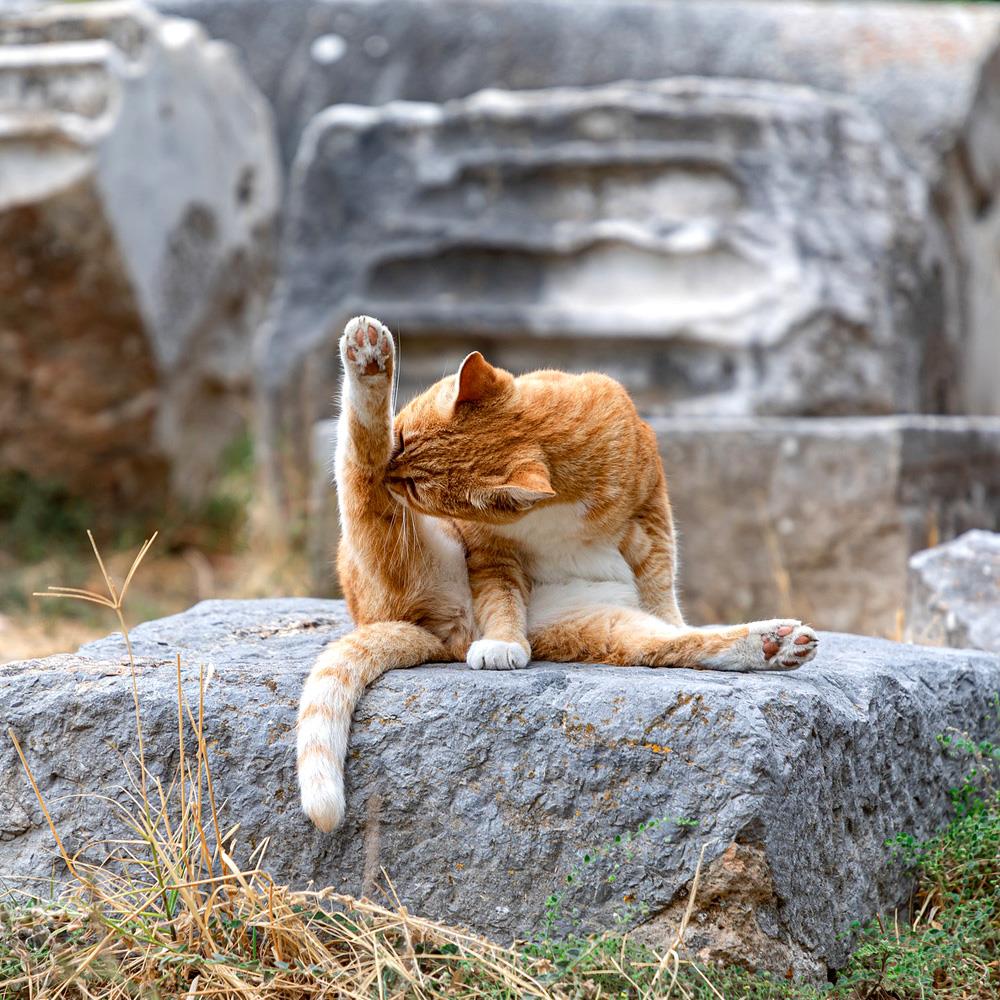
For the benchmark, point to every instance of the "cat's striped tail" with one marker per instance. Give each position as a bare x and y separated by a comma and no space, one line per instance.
338,677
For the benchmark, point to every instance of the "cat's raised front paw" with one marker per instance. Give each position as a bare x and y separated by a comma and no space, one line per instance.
493,654
366,347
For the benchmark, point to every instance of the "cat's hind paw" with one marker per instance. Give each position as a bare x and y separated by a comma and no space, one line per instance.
366,348
785,643
493,654
776,644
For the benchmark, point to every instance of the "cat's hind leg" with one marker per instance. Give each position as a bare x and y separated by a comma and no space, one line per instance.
626,637
649,546
784,644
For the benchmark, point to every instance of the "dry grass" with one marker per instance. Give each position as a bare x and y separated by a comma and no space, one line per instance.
172,915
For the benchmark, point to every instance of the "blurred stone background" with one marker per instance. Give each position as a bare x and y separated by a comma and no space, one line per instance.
776,222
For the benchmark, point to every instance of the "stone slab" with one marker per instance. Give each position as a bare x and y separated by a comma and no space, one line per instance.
139,194
478,792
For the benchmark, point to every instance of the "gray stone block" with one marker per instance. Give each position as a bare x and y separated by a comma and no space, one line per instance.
141,187
818,517
954,593
810,518
478,791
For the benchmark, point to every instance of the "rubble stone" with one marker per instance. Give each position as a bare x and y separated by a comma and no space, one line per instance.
140,188
954,593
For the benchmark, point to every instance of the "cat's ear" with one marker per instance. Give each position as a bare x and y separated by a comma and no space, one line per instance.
528,486
477,379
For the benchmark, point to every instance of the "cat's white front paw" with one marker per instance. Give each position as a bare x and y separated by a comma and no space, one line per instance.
493,654
366,348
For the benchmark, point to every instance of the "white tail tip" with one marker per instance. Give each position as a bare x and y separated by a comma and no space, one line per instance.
324,805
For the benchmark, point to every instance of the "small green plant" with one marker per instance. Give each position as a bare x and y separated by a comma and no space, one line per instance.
949,947
976,789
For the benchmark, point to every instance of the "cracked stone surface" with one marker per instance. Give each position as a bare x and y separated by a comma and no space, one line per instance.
480,792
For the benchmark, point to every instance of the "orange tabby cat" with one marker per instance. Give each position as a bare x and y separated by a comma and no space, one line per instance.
496,519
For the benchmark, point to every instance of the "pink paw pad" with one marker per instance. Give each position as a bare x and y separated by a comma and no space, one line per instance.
367,345
789,646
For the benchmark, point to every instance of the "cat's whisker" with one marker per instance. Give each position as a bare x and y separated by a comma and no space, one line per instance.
395,375
400,539
407,525
413,533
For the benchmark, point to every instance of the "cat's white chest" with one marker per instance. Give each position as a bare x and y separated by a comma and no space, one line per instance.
570,569
447,550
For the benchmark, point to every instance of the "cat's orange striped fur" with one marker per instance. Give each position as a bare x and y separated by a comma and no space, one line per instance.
495,519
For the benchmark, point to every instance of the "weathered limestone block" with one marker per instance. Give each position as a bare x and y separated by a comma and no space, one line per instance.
820,516
139,187
478,792
812,518
966,191
915,66
953,598
718,246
